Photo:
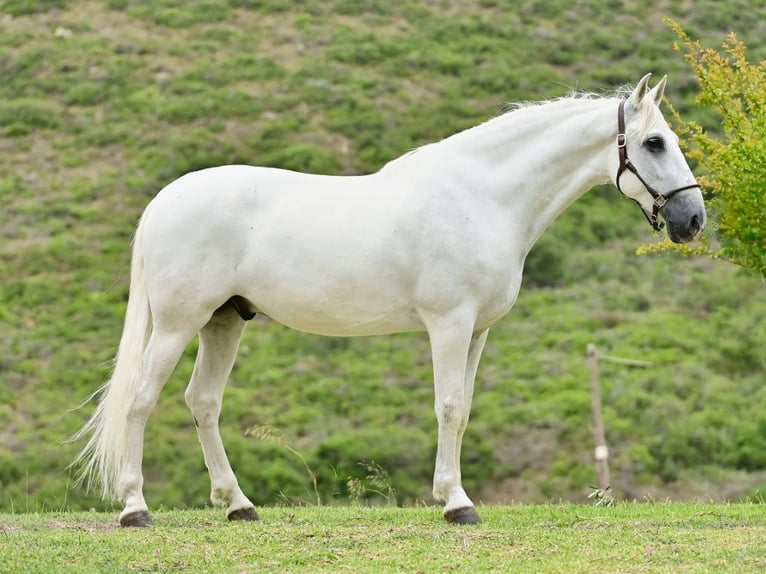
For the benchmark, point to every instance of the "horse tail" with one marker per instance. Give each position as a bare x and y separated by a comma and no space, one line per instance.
102,460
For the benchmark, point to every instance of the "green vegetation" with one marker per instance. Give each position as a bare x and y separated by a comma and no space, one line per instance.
641,538
102,103
735,89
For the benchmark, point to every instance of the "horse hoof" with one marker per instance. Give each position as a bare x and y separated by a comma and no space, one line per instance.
137,519
465,515
248,514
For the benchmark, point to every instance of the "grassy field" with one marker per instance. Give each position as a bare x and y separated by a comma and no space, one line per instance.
636,538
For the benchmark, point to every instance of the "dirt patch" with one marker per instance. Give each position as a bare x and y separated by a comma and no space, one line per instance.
32,522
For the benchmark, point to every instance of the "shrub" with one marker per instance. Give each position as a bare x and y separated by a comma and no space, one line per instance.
734,164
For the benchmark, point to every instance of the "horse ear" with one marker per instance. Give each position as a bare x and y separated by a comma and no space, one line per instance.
658,91
640,91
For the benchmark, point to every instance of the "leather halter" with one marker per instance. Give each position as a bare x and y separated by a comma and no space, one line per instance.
660,199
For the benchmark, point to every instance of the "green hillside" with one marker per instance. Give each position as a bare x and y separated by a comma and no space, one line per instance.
103,103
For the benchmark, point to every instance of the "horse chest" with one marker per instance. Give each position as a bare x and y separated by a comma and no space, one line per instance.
497,305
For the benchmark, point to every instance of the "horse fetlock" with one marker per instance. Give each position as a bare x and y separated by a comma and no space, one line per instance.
440,490
130,491
222,496
447,489
229,494
456,498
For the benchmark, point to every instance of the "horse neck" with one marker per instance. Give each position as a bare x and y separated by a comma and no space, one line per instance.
537,160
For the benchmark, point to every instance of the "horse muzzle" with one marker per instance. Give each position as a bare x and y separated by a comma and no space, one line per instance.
684,218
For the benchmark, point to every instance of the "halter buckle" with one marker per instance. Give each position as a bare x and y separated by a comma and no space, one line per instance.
622,140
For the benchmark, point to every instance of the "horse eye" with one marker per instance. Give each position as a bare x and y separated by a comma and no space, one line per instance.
655,144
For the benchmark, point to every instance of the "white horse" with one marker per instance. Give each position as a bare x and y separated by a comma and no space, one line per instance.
435,241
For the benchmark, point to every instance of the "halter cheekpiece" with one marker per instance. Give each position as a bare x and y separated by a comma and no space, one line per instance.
660,199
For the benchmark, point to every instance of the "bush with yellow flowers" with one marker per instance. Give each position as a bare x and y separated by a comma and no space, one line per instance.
734,161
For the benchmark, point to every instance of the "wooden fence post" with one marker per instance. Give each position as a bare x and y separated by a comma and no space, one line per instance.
601,452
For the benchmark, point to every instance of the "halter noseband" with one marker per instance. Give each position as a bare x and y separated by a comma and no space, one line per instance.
660,199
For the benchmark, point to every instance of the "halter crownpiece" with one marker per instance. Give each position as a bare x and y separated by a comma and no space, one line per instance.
660,199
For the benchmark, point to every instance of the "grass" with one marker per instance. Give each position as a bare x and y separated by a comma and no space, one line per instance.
653,537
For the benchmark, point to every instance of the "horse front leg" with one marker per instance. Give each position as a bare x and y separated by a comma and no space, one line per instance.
474,356
455,352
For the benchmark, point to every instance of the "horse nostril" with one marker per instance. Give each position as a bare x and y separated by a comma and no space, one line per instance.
695,223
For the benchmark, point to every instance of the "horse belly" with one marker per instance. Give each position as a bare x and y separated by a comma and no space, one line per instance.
332,285
338,313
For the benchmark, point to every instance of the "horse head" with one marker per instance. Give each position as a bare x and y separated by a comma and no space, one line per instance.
652,169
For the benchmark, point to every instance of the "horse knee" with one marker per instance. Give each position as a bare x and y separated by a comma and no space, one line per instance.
449,412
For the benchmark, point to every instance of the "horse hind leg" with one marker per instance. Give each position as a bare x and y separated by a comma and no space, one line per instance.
218,345
160,358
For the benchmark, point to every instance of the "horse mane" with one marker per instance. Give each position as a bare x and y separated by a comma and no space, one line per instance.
648,118
511,107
